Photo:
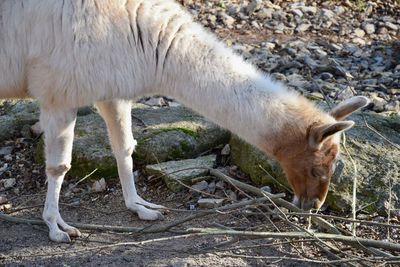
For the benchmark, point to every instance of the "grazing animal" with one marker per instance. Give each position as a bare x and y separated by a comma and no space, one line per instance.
70,53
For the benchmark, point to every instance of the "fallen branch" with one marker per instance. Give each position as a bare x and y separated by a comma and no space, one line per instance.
153,228
278,201
345,239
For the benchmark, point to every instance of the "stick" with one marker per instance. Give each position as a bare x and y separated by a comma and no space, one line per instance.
278,201
345,239
154,228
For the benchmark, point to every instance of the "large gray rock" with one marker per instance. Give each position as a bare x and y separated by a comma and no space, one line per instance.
377,160
163,134
17,115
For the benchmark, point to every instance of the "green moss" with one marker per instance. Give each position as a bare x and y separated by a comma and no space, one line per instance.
191,132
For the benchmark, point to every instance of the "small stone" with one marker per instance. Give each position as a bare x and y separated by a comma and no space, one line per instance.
297,12
5,150
232,10
155,101
220,185
227,20
179,263
269,45
359,41
8,157
339,10
211,187
320,53
379,103
8,183
99,186
303,27
3,200
311,10
5,207
359,32
36,129
200,186
266,189
382,30
326,76
253,6
327,14
209,203
265,13
393,106
391,26
226,150
232,196
369,28
394,91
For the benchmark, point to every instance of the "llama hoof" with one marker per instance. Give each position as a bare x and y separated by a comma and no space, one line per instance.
59,237
150,215
73,232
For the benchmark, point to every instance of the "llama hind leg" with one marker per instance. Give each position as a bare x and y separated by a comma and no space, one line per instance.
59,132
117,115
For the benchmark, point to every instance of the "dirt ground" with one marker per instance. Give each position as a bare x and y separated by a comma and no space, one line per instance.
29,245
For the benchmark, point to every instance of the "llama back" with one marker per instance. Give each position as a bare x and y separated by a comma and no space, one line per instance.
77,52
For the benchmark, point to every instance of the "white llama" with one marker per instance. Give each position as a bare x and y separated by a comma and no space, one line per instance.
70,53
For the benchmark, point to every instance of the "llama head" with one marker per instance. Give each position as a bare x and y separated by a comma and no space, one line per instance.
310,162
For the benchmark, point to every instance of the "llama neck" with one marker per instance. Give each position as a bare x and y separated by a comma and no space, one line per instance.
219,85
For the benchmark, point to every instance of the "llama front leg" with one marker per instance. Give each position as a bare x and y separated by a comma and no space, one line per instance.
58,129
117,115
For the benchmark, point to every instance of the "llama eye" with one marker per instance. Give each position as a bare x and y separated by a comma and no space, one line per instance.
317,172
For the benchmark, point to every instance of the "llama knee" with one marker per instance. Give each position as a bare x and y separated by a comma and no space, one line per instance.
59,170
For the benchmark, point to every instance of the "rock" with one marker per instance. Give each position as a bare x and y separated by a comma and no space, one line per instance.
156,101
162,134
359,32
8,183
249,160
369,28
19,113
253,6
6,150
303,27
200,186
382,30
358,41
266,188
391,26
327,14
326,76
209,203
339,10
265,13
297,12
225,151
3,200
179,263
376,159
99,186
191,168
379,103
393,106
311,10
36,129
226,19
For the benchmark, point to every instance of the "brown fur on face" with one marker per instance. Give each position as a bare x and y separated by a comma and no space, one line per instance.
309,172
306,145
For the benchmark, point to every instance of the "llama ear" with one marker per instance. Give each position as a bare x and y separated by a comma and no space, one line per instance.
348,106
319,134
